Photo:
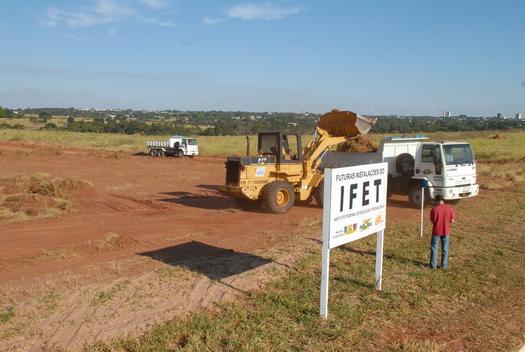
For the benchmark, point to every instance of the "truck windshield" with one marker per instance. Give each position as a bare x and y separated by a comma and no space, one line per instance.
192,142
458,154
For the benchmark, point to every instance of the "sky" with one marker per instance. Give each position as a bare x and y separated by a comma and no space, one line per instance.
413,57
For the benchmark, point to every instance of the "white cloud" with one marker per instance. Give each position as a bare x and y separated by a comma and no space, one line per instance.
156,4
155,21
112,10
71,19
266,11
211,21
102,12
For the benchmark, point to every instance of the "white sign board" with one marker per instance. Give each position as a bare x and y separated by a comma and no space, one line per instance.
355,202
354,207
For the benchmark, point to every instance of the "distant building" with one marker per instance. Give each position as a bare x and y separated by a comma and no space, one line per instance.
446,113
519,116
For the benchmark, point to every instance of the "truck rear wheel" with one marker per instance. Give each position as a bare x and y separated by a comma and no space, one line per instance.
153,152
160,153
278,197
319,194
405,164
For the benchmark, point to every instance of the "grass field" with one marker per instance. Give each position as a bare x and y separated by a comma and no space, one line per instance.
477,304
510,145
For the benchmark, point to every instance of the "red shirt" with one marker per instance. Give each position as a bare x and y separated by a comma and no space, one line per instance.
441,216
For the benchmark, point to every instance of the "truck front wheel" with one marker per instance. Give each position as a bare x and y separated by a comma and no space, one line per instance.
179,153
278,197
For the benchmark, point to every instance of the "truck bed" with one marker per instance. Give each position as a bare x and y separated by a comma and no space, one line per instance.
158,144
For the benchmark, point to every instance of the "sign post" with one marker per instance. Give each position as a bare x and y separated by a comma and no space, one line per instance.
354,207
379,258
424,184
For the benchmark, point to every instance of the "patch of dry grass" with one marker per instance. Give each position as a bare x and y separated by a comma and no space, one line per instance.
40,195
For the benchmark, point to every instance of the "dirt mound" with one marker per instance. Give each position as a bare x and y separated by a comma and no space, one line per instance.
39,195
34,204
144,202
361,144
108,154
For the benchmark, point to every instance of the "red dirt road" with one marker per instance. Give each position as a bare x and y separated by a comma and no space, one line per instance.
146,204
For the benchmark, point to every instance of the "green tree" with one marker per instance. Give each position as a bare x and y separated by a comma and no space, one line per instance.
44,116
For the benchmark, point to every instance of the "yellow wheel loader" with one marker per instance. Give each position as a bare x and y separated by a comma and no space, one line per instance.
282,172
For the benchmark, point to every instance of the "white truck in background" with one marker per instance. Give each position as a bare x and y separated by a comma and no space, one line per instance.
176,146
446,168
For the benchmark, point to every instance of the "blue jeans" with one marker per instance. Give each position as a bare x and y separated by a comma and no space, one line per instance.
434,243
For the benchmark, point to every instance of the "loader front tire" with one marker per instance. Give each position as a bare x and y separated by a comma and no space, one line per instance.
278,197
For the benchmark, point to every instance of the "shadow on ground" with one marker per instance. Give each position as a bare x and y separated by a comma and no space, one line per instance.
214,262
388,256
203,201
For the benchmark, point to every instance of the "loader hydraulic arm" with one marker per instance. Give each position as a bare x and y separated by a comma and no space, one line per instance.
321,142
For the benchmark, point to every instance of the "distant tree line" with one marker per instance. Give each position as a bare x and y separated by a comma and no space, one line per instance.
234,123
435,124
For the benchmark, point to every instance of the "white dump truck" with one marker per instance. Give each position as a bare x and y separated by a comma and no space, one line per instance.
443,167
176,146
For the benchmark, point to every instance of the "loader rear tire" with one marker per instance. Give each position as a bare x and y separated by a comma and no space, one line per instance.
278,197
319,194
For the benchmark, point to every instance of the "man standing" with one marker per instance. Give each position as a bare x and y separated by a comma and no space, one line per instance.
441,217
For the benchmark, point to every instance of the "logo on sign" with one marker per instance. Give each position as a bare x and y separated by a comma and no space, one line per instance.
366,224
379,219
350,229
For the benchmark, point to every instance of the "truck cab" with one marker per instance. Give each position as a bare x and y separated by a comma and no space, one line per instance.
448,167
190,146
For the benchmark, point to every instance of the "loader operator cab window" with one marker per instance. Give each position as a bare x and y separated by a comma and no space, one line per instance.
268,144
289,146
287,149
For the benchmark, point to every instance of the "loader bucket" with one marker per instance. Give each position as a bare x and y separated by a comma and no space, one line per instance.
345,123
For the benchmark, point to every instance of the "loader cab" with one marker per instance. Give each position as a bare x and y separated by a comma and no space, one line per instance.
285,146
